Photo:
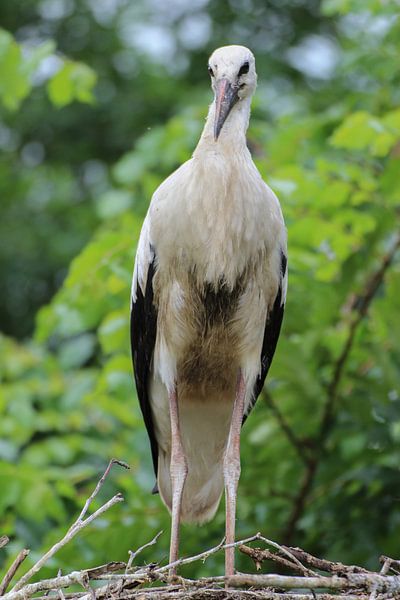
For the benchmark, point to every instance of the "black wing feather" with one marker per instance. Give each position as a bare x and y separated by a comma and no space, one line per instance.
143,339
271,335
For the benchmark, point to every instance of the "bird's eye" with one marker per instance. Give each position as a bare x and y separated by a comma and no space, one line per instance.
210,71
244,68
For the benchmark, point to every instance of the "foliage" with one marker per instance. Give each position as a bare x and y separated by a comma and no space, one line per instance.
71,81
320,453
29,187
149,62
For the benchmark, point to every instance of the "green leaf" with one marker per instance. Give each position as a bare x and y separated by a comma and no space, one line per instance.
363,131
74,81
17,68
14,81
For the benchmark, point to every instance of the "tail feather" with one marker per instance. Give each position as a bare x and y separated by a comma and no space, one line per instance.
204,425
202,491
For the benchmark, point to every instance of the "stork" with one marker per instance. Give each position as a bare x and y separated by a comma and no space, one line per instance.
208,294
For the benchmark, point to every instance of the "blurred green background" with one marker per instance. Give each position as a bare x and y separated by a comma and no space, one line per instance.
99,101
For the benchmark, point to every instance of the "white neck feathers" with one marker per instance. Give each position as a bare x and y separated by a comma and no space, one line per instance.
232,138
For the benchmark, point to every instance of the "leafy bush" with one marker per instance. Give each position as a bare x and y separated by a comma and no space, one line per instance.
320,452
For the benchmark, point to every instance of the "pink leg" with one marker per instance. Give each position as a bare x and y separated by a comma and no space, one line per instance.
178,470
232,472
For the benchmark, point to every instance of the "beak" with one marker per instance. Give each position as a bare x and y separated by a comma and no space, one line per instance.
226,96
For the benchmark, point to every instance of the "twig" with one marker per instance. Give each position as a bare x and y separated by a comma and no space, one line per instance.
392,563
99,485
354,583
133,555
77,526
204,555
97,572
325,565
60,592
297,443
12,570
259,555
286,551
56,583
212,593
71,533
4,539
301,497
384,570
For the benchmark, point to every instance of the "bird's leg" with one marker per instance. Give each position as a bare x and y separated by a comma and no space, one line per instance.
232,472
178,471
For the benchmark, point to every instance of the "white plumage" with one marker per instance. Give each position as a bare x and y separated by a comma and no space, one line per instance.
208,292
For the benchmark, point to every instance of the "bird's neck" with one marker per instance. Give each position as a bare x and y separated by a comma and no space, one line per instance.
233,133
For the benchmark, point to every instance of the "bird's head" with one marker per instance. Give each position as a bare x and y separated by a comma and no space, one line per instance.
233,79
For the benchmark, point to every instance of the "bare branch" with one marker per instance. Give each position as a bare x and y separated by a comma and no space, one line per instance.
394,565
384,570
60,592
75,528
12,570
352,580
301,498
97,572
99,485
133,555
353,583
204,555
211,593
4,539
325,565
259,556
56,583
286,551
297,443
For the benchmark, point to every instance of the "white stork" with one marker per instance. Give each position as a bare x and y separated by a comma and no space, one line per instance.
208,295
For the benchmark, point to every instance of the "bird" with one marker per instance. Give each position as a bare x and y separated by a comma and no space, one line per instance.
208,295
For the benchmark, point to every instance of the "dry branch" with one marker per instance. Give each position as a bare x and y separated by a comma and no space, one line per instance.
4,539
259,556
122,581
352,583
12,570
325,565
133,555
77,526
394,565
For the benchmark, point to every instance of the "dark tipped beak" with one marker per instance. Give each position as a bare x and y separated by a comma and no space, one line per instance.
226,96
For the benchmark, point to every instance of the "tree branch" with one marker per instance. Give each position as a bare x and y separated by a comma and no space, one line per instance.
326,565
297,443
259,556
348,582
361,307
76,527
4,539
12,570
133,555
